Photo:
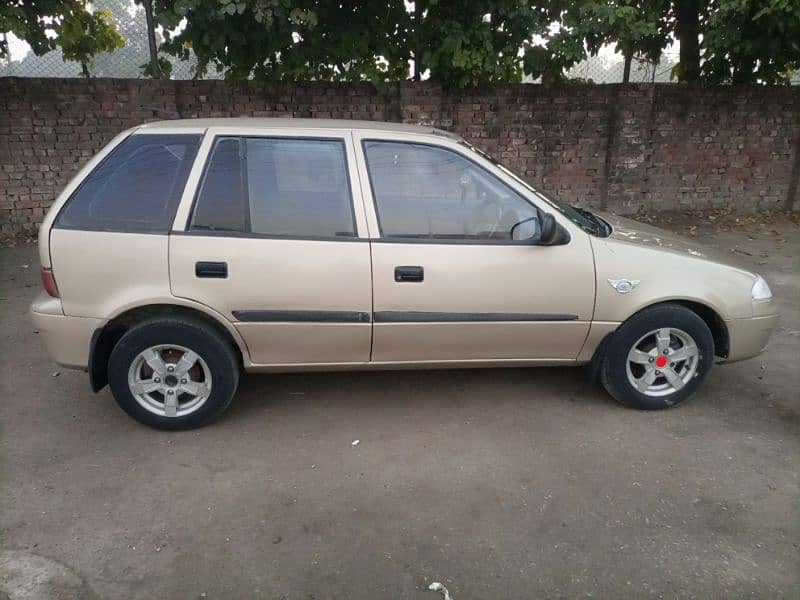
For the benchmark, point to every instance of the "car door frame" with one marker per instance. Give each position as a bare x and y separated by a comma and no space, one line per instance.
452,144
181,227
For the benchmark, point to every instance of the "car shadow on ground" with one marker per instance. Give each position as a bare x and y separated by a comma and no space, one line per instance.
406,389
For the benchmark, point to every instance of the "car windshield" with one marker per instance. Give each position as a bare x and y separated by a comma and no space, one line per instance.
583,218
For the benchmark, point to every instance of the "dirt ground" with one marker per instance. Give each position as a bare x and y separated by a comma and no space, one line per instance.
524,483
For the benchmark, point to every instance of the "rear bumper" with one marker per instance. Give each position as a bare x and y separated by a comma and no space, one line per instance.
67,339
749,337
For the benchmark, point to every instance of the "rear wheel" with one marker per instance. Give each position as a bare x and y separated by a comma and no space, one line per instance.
658,357
173,373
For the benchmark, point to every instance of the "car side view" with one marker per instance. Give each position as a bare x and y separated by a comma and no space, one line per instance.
189,251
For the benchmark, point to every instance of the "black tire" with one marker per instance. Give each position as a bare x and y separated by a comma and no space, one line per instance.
217,353
613,371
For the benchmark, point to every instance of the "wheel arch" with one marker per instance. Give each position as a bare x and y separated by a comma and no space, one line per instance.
709,315
716,324
106,337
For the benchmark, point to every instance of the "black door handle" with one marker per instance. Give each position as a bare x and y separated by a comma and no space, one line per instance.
409,274
213,270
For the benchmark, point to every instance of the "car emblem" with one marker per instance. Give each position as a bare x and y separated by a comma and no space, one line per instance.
623,286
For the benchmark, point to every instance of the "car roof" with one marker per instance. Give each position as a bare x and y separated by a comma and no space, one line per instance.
290,122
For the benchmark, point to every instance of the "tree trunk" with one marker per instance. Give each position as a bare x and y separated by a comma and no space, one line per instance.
151,39
626,73
744,70
417,37
744,66
687,30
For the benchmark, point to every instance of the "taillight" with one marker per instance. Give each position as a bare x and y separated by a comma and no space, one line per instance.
49,282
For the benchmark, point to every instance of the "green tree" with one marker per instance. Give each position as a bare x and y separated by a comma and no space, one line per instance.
634,27
68,24
86,34
472,43
288,39
582,27
750,41
461,43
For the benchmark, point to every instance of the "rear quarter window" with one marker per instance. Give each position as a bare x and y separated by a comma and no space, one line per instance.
136,188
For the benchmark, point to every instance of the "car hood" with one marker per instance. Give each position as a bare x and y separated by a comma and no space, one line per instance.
628,230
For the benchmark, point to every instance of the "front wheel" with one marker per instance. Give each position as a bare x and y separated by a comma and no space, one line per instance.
658,358
173,373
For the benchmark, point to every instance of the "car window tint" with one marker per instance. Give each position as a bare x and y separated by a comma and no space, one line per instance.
299,188
222,200
424,191
136,188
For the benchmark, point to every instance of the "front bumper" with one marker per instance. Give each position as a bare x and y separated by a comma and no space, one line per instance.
66,339
749,337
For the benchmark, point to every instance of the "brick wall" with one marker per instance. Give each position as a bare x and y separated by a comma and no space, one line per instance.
623,148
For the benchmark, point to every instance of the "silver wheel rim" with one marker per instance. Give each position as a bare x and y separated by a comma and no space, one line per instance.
169,380
662,362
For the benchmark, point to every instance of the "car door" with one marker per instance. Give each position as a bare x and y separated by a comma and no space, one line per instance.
449,282
274,239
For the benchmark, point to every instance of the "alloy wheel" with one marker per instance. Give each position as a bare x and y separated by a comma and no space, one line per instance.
662,362
169,380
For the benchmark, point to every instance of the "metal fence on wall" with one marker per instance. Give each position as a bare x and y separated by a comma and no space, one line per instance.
129,61
126,62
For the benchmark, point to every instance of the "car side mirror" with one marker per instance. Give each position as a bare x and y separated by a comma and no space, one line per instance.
541,230
552,234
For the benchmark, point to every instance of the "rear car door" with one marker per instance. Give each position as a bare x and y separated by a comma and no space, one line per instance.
274,239
450,284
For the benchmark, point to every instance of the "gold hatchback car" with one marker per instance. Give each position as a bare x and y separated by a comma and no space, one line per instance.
188,251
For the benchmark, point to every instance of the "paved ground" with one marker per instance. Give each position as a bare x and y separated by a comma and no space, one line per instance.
498,483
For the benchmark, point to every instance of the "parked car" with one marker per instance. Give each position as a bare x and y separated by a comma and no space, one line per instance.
189,251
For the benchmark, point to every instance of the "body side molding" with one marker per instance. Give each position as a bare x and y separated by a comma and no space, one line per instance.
301,316
393,316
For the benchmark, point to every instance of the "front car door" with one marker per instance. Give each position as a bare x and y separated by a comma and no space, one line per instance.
450,284
273,237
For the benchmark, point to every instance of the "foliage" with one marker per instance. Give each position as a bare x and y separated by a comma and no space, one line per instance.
475,43
45,24
457,42
85,34
289,39
460,42
635,27
165,68
749,41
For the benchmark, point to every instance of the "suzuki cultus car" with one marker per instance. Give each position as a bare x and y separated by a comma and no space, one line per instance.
189,251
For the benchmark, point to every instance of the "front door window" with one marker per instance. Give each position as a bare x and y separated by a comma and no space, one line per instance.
429,192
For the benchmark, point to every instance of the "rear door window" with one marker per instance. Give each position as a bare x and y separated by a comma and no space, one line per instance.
276,187
136,188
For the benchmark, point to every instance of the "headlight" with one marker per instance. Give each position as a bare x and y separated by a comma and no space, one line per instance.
761,290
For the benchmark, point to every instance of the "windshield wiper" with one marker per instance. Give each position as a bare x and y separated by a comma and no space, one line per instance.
603,227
